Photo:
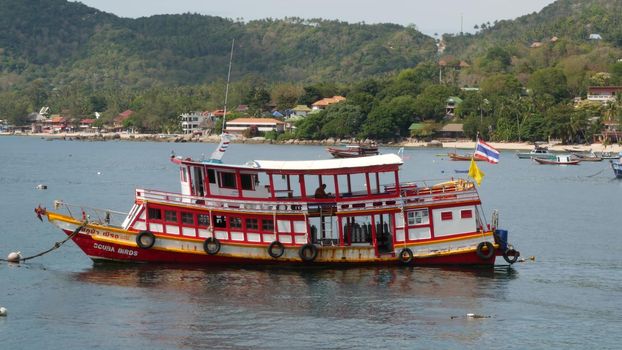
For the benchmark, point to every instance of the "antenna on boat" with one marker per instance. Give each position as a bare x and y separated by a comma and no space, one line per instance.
224,137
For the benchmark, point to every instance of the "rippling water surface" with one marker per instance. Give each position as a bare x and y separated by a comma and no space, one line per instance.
568,218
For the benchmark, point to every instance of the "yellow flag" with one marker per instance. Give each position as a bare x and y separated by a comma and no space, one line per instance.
475,173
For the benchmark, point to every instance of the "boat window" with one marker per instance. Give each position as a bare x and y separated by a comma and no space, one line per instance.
170,215
187,218
248,181
466,214
183,175
220,221
267,225
235,222
252,224
211,176
446,215
203,220
155,213
227,180
418,217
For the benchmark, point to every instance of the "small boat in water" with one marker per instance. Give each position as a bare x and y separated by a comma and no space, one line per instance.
559,160
617,166
539,152
587,157
607,155
464,157
352,151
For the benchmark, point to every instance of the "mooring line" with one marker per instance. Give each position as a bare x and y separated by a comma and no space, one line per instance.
56,246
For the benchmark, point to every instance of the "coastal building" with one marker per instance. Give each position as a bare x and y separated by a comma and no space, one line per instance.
612,132
603,94
450,107
451,131
117,122
55,124
86,125
239,125
325,102
300,110
196,122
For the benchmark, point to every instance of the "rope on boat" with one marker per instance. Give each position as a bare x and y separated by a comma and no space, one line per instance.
54,247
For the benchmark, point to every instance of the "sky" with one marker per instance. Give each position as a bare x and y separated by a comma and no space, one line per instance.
429,16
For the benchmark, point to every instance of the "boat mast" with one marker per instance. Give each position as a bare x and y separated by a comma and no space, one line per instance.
224,137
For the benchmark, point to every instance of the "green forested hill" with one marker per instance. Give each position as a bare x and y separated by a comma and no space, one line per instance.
78,60
569,20
63,41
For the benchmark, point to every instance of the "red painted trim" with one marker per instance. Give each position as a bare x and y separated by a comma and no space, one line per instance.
336,182
272,194
238,180
303,188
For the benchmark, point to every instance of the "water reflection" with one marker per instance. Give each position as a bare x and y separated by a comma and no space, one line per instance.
387,293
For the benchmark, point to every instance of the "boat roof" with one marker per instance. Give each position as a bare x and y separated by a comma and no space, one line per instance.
381,160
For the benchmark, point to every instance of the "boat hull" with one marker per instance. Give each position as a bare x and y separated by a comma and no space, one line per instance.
536,155
101,243
553,162
617,169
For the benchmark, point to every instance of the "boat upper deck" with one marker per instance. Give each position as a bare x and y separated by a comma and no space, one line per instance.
376,163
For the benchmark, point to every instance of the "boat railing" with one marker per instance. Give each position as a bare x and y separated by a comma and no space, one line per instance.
257,205
99,216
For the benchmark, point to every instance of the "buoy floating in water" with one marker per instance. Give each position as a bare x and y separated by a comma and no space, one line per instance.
42,187
3,311
14,257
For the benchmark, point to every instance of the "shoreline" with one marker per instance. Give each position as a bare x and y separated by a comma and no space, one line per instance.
463,145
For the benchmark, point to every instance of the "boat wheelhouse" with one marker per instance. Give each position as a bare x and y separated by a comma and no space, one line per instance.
268,212
540,152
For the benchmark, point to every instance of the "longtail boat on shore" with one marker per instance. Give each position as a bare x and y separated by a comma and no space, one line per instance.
266,212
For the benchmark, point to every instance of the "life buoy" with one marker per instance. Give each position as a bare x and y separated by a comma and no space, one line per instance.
276,249
513,253
145,239
487,252
211,246
308,252
406,256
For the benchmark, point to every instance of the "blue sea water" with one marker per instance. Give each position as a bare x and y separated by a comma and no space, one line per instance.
570,296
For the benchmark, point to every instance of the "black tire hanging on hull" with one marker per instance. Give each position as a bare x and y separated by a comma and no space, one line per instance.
485,250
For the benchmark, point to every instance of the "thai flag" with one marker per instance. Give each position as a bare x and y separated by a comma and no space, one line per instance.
486,152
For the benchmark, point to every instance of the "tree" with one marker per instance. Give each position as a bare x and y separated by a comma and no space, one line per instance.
496,59
390,120
257,98
342,120
431,103
549,81
501,84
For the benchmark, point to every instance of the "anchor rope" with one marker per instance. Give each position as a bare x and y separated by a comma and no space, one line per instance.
54,247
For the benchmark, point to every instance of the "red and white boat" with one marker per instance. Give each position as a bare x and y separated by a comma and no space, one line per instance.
266,212
559,160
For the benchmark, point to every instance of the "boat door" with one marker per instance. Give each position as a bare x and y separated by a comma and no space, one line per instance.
198,181
384,225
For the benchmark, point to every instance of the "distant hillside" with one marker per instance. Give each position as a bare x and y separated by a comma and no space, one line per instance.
571,20
63,41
